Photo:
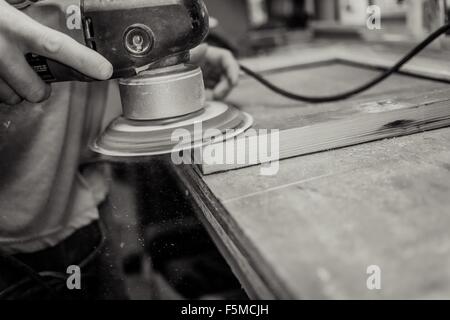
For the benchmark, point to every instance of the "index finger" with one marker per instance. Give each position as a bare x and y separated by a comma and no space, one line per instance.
231,67
55,45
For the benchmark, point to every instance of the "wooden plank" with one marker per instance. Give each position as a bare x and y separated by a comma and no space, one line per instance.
400,105
312,230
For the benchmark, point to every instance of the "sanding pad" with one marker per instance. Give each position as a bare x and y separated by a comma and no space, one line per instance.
137,138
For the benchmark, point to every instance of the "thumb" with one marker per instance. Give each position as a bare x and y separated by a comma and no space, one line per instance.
199,53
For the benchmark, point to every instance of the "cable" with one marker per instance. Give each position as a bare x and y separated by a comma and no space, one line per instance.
33,275
45,279
414,52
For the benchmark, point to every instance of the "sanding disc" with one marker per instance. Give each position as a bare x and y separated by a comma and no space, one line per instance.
132,138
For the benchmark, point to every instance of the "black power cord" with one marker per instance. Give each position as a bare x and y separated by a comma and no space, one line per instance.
344,95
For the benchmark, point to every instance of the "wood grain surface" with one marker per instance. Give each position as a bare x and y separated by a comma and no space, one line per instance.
398,106
311,231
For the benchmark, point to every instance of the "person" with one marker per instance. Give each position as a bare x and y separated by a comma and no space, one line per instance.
50,194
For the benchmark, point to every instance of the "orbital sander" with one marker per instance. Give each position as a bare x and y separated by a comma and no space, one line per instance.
148,43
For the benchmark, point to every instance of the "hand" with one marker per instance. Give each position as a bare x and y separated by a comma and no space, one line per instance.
19,35
220,69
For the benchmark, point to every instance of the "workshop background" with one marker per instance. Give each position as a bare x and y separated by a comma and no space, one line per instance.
165,250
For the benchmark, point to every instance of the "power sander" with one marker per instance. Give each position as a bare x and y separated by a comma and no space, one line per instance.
148,43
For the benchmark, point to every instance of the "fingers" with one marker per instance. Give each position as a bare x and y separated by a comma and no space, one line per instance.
231,67
17,79
224,61
220,68
20,77
20,34
62,48
198,53
7,95
223,88
44,41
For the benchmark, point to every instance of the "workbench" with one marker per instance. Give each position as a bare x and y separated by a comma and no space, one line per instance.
313,230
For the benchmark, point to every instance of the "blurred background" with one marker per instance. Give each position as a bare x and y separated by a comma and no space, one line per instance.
252,26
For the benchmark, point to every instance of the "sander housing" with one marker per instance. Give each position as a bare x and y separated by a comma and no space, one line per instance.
131,34
148,43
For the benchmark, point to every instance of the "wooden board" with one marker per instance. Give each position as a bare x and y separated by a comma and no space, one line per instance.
312,230
208,210
401,105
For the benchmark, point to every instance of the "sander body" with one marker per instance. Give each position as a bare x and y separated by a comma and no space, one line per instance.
132,35
148,43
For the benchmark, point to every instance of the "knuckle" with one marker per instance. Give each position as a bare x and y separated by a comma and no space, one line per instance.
51,42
